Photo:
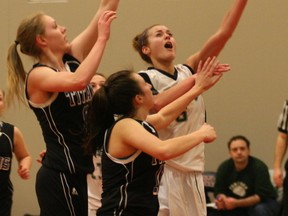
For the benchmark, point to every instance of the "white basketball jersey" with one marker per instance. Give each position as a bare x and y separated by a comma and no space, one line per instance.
190,120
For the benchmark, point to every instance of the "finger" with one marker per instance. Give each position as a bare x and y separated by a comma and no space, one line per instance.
223,65
199,66
212,64
111,15
206,63
222,68
220,72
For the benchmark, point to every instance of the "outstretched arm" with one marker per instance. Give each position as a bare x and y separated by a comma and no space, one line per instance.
217,41
83,43
50,81
125,141
171,94
203,81
22,154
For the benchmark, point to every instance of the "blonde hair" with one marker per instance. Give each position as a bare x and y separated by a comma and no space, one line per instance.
27,32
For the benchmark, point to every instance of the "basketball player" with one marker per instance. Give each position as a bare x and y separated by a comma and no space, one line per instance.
182,189
57,90
132,156
11,142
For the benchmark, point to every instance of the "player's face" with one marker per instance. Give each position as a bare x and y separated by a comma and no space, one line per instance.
146,91
54,35
161,44
239,151
96,82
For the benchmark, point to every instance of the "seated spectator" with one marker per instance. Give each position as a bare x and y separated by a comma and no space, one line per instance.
243,186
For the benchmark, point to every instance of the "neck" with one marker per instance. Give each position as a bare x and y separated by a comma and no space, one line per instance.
141,114
52,61
167,67
241,165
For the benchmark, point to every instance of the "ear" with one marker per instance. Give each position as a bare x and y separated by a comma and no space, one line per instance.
40,40
145,50
138,99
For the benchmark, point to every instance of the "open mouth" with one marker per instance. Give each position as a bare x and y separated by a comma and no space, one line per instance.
168,45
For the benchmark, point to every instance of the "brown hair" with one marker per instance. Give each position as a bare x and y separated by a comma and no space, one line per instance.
238,137
115,97
141,40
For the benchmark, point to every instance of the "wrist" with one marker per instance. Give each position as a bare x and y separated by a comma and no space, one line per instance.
197,89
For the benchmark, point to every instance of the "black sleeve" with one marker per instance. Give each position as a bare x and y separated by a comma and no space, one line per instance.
191,69
71,62
147,79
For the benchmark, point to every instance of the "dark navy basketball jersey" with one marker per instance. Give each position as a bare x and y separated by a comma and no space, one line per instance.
130,185
6,153
62,123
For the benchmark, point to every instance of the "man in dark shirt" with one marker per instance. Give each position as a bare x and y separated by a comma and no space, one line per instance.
243,186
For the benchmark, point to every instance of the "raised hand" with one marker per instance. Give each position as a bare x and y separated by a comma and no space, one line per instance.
104,24
209,73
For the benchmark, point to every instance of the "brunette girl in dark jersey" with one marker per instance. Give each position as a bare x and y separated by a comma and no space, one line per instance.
132,160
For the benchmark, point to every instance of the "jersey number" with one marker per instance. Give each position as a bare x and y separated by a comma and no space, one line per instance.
182,117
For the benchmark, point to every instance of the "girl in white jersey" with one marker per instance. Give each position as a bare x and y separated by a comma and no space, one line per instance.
182,189
57,90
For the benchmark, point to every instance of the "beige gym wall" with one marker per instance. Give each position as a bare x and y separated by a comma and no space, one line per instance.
247,100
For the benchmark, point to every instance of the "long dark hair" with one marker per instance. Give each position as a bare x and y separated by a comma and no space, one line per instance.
115,97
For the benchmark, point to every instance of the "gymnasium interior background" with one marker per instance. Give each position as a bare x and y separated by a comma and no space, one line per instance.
247,101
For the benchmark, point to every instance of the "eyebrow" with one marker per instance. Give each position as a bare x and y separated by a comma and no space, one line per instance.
241,147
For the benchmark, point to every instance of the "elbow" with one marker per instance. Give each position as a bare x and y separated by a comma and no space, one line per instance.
80,84
83,85
162,121
161,125
225,35
164,154
163,157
